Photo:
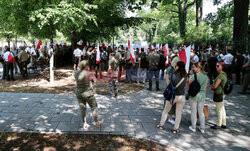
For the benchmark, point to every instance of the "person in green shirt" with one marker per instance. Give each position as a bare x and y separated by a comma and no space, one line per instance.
85,93
198,101
218,86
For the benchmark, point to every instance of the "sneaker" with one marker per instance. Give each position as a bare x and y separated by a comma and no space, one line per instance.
171,121
149,89
215,127
86,126
192,129
202,130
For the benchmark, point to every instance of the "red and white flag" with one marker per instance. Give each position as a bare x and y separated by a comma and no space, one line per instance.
132,52
98,55
38,44
166,53
184,55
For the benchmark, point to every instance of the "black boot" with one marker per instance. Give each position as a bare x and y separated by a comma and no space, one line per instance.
150,86
157,86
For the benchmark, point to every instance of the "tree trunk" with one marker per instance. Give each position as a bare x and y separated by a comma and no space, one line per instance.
73,40
198,12
8,40
52,53
240,31
182,23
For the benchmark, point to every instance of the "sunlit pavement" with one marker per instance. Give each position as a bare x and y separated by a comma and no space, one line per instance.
134,115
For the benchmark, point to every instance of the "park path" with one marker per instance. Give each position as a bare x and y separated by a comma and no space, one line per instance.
133,114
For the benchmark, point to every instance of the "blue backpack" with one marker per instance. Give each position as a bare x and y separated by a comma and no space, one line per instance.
169,93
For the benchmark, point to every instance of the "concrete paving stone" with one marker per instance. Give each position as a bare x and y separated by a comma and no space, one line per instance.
21,116
61,118
38,110
6,116
42,95
20,109
67,126
144,119
122,119
149,127
21,125
145,112
111,127
131,128
46,126
76,118
41,117
127,112
4,124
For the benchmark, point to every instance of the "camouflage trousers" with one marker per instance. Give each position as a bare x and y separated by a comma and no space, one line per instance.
93,105
113,86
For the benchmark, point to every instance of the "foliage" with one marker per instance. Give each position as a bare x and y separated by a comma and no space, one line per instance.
222,22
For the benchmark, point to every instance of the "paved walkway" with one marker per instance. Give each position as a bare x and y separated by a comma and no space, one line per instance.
135,115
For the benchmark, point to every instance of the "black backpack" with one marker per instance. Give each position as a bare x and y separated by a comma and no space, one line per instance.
228,86
194,88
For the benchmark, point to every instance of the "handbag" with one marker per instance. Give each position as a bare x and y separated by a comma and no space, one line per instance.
206,112
218,97
194,88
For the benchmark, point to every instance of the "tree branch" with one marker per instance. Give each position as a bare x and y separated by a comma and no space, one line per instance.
190,4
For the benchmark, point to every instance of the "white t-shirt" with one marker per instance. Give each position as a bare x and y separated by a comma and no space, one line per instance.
196,59
84,52
78,52
32,52
6,56
228,59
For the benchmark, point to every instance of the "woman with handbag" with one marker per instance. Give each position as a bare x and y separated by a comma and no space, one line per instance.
218,98
197,102
179,82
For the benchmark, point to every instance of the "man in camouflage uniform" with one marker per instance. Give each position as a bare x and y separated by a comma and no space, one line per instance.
153,59
85,93
23,58
113,65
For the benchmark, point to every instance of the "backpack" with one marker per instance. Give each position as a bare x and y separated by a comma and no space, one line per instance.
10,58
195,87
1,59
169,92
228,86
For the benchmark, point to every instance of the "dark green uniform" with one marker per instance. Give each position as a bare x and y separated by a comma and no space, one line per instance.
85,94
113,63
153,59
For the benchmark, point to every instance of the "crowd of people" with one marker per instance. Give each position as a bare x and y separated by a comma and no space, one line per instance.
209,68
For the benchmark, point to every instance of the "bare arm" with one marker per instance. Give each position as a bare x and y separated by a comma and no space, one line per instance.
214,86
167,79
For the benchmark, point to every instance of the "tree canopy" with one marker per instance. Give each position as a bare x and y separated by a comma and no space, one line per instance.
156,21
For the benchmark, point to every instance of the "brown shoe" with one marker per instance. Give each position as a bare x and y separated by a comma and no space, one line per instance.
97,124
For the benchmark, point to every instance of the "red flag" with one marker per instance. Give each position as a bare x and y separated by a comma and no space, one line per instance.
184,55
39,43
